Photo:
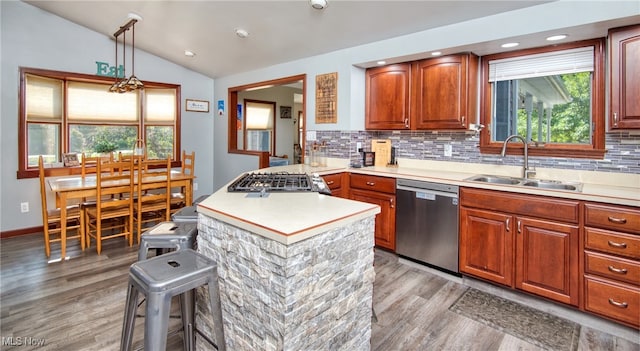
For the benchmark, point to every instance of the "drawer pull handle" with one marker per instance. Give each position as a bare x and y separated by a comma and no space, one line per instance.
617,220
371,183
617,270
618,245
618,304
330,182
506,225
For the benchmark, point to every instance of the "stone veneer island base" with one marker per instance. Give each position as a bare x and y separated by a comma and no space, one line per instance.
300,281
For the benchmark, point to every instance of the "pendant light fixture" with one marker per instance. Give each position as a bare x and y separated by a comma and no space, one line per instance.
124,84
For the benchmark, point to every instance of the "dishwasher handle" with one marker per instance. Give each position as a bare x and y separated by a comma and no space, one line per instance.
427,191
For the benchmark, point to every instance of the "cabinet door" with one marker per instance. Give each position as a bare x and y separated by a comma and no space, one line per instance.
385,220
387,97
443,94
625,78
486,245
547,259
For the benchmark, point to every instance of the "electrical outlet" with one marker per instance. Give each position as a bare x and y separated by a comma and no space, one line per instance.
195,186
448,150
24,207
358,146
311,135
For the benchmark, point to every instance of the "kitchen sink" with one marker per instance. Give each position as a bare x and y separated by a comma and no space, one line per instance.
550,184
533,183
495,179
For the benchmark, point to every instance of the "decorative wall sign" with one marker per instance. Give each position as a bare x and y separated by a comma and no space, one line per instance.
285,111
327,98
197,105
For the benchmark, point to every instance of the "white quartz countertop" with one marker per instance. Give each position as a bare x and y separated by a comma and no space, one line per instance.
613,188
291,217
285,217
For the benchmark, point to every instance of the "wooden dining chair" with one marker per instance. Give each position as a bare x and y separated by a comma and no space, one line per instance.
178,199
88,165
51,220
153,194
112,214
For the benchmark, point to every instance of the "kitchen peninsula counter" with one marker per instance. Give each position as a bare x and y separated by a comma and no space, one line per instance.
286,217
296,270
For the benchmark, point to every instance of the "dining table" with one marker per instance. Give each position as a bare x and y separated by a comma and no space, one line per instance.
75,187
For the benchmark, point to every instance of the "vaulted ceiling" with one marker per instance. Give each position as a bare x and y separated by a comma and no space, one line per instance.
279,31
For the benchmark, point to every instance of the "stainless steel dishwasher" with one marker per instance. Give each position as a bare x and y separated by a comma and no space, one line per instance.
427,223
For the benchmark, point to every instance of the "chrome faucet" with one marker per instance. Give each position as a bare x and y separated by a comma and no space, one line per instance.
526,172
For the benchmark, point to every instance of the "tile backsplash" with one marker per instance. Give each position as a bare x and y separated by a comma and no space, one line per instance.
623,149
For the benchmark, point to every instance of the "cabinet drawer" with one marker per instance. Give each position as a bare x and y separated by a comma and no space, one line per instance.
616,301
627,245
612,267
334,181
367,182
621,218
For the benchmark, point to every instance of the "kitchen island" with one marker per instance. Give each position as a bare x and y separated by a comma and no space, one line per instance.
296,270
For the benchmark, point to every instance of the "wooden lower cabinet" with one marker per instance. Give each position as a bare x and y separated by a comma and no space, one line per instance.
385,220
486,245
334,182
380,191
612,262
537,255
547,259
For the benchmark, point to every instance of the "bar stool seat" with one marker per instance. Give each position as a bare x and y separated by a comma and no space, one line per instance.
168,235
159,279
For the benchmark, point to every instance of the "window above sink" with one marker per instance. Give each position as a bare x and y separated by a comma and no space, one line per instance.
552,96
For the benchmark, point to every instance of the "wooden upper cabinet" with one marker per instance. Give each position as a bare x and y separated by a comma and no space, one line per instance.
387,97
624,46
445,92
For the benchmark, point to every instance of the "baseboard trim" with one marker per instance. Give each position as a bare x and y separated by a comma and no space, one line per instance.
19,232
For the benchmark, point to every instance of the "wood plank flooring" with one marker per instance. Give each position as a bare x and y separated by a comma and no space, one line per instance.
78,305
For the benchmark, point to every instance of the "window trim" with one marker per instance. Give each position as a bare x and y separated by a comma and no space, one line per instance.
595,150
25,172
232,135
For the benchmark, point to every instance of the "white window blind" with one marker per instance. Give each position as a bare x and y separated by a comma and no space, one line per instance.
43,98
544,64
160,105
94,102
259,116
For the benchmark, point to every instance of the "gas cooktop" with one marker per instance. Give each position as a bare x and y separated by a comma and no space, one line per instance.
278,182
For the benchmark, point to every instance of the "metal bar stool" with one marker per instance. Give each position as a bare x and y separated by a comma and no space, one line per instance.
159,279
177,236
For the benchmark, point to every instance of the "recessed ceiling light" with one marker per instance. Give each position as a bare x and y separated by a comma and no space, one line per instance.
556,37
242,33
381,62
189,53
510,45
436,53
318,4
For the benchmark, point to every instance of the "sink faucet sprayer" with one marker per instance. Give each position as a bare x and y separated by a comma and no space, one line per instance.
526,172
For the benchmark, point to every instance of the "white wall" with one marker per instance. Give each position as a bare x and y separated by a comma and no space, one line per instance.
31,37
